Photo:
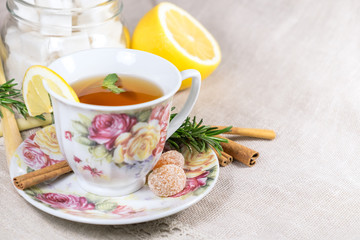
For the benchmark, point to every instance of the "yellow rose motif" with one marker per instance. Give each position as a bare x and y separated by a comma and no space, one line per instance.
194,173
118,154
122,139
46,139
199,161
143,141
120,144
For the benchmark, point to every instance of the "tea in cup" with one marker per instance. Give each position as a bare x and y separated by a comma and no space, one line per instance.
112,144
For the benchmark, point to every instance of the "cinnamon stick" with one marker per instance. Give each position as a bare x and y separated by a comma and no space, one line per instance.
250,132
38,176
239,152
225,159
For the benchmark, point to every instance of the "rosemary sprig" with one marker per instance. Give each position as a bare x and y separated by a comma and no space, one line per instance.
194,134
11,98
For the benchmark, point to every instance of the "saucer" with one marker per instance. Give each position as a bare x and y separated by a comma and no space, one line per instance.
64,198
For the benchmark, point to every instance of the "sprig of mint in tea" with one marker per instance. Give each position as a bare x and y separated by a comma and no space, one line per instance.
115,90
110,83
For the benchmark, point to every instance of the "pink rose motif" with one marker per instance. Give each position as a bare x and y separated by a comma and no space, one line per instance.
34,157
126,211
105,128
32,136
93,171
68,135
160,146
58,200
76,159
162,114
193,183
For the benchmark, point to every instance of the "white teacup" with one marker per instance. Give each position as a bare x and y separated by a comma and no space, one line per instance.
112,149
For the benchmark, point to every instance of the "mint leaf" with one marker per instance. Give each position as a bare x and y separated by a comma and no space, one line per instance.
109,83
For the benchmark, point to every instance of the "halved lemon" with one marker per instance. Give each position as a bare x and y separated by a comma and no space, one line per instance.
172,33
35,96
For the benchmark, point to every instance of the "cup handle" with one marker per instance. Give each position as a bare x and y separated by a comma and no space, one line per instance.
190,102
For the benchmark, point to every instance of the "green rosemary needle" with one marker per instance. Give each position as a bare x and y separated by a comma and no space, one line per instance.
11,98
194,134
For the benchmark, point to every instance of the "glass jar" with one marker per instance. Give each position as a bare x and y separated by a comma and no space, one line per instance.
39,31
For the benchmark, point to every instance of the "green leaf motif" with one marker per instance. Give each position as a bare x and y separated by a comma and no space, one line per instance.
109,158
80,128
33,191
212,173
200,190
109,83
85,120
90,197
99,152
120,165
143,116
84,141
106,206
29,169
208,182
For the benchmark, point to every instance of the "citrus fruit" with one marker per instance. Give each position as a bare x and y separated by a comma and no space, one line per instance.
170,32
35,96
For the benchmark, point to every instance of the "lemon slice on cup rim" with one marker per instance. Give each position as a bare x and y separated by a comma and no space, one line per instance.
170,32
36,97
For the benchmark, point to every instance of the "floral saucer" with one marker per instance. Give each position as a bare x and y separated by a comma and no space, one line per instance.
64,198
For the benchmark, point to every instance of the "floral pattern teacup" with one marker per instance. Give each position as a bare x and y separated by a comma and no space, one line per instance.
112,149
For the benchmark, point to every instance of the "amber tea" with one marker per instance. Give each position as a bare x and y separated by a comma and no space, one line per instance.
137,90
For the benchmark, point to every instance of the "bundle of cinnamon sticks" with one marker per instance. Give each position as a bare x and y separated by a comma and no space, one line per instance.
235,151
231,151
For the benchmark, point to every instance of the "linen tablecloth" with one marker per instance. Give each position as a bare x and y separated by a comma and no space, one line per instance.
287,65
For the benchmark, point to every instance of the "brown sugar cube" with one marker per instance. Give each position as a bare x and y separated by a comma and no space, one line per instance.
171,157
167,180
